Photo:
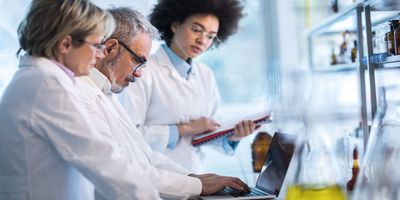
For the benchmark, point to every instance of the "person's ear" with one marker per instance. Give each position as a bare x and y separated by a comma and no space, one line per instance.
174,27
111,47
65,44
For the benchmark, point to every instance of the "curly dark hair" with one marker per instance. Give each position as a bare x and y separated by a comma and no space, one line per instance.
166,12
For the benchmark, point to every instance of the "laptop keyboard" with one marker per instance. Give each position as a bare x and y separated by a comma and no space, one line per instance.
236,193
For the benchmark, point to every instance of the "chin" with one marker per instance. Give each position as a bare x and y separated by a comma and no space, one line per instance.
194,55
82,73
116,89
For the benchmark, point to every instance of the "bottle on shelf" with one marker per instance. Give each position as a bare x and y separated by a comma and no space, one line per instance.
333,57
379,38
354,52
396,39
343,55
333,6
379,176
374,41
389,38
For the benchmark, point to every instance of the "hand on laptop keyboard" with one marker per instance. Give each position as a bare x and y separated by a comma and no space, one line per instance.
212,183
234,192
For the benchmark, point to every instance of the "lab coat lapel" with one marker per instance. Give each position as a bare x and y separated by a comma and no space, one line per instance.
99,81
127,122
164,61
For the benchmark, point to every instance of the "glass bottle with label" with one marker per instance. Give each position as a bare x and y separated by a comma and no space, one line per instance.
389,38
334,6
343,54
354,52
379,176
396,39
333,57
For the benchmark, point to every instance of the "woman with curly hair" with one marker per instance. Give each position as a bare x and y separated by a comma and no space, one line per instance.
177,96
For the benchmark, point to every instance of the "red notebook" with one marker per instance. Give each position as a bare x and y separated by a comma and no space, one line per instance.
226,129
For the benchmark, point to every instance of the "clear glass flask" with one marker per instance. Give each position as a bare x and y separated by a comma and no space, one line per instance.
316,175
314,172
379,176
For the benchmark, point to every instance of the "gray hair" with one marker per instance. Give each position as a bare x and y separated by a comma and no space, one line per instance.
129,23
48,21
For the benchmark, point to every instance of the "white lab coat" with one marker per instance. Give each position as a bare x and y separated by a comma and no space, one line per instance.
48,148
161,97
107,113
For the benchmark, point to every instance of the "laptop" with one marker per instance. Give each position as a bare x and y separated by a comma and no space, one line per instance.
271,177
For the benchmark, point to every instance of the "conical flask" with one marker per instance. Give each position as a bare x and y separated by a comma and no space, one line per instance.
316,175
379,176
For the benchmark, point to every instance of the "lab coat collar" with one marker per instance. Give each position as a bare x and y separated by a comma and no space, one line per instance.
163,60
183,67
70,73
48,65
101,81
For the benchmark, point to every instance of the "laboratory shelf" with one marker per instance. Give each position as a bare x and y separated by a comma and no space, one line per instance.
383,5
351,67
338,22
391,62
379,17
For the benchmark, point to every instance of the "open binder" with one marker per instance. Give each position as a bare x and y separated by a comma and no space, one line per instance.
227,128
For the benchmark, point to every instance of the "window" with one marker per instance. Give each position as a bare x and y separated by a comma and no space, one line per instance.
9,40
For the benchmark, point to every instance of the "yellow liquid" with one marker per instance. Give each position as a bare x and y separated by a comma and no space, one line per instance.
307,192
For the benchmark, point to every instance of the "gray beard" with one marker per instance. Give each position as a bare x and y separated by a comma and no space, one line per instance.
116,89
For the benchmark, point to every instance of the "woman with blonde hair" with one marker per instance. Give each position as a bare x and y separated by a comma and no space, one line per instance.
49,149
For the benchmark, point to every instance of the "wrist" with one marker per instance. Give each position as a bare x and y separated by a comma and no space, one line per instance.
233,138
182,129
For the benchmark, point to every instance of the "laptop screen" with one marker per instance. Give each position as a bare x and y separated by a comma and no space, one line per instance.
276,163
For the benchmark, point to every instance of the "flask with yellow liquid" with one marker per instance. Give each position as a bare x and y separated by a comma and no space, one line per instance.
316,175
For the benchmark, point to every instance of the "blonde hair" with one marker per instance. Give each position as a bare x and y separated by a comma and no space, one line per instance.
48,21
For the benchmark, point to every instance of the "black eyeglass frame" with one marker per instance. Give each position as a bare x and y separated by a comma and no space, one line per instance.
137,58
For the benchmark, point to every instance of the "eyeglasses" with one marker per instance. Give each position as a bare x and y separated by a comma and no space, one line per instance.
97,46
200,33
141,61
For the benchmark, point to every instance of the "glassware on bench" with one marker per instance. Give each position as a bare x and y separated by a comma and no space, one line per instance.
379,176
314,171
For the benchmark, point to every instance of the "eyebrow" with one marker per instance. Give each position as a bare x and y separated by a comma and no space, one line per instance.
201,25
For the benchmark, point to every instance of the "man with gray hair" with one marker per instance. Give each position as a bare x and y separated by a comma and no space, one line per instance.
125,54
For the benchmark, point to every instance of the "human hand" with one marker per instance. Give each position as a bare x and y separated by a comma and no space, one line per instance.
212,183
242,129
200,125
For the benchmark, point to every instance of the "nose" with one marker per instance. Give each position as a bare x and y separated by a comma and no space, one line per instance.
137,74
202,38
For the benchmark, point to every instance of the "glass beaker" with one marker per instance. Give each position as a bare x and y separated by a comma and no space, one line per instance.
316,174
379,176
